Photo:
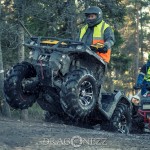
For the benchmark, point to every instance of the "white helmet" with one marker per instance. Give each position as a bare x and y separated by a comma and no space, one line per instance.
136,97
135,100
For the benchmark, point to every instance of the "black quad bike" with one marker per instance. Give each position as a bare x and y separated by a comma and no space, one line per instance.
65,78
141,112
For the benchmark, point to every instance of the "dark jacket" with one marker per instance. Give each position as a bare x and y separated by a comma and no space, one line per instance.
141,82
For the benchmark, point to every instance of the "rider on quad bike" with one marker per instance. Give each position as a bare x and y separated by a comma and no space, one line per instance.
141,109
144,77
97,32
65,77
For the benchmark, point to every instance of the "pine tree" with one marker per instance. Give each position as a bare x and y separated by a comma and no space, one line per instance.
3,105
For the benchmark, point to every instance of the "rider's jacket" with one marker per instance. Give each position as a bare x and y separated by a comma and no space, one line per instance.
97,37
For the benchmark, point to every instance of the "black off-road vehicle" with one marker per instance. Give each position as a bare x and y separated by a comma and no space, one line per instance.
65,77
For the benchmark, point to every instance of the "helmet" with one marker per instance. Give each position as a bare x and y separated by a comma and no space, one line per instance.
136,97
93,10
135,100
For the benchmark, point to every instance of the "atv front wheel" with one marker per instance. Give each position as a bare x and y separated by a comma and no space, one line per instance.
78,94
19,89
121,119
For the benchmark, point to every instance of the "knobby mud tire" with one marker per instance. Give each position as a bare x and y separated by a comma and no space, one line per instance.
79,94
15,95
121,119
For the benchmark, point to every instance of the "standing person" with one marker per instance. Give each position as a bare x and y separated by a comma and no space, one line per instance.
144,77
97,32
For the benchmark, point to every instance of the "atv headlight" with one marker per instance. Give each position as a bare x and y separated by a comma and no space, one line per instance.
146,106
79,47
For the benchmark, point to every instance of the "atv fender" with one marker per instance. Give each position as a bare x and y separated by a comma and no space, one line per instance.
109,103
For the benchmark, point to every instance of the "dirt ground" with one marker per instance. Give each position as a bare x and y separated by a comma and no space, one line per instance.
40,135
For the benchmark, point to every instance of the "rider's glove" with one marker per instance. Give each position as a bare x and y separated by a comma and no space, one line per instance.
97,47
103,50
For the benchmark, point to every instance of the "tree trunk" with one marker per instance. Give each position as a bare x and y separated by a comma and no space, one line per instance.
87,3
20,6
70,19
20,42
73,19
24,113
3,104
137,45
141,39
110,82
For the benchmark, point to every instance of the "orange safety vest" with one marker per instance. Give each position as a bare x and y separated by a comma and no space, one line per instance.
98,37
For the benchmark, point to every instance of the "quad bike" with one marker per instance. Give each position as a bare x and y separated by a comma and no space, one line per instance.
65,78
141,111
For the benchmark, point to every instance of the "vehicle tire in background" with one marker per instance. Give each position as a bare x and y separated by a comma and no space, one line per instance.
121,119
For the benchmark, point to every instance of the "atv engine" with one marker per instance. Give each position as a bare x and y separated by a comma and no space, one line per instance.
52,67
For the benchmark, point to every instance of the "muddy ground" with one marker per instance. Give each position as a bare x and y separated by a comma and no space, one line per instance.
40,135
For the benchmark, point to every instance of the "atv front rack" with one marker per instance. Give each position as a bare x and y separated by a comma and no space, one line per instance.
50,44
58,44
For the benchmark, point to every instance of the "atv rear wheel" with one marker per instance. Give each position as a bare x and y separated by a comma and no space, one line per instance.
78,94
121,119
17,86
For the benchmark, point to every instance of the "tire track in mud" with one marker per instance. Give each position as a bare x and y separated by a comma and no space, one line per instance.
39,135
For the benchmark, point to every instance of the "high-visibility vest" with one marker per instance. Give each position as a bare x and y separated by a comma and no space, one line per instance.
98,37
147,75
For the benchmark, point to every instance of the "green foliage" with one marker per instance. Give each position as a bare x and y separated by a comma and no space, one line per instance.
121,62
119,40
